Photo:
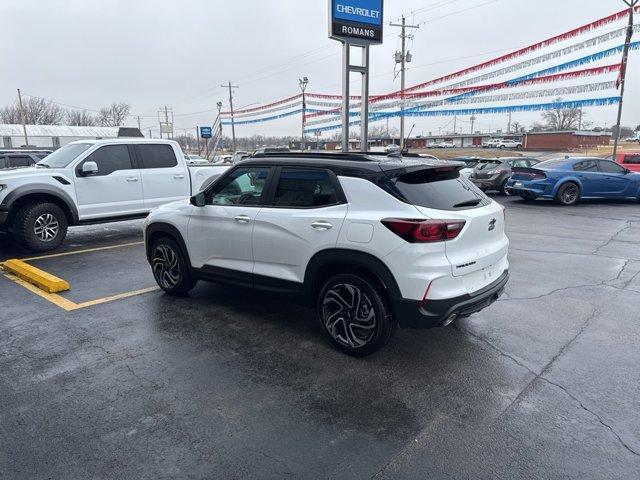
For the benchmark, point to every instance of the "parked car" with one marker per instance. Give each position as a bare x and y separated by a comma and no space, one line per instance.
392,148
19,160
238,156
192,159
633,138
470,164
491,143
371,241
568,180
493,174
92,181
432,144
629,160
507,143
446,145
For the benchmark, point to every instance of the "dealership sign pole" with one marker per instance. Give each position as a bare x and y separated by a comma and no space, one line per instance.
356,23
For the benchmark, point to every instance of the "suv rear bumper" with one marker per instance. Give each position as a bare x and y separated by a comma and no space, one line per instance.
411,314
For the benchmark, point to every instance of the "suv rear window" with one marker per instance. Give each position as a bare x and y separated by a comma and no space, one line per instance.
157,156
439,190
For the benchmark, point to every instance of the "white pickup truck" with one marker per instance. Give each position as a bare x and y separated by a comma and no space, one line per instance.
95,181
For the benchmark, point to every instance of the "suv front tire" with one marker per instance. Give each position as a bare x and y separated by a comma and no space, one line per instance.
170,268
355,314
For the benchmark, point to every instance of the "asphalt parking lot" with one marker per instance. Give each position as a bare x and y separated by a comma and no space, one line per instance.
113,379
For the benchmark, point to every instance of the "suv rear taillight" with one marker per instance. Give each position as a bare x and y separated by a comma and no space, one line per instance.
424,231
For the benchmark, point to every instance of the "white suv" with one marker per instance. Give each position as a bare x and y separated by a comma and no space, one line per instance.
371,241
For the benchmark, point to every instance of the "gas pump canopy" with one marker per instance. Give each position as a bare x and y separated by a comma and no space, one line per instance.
358,22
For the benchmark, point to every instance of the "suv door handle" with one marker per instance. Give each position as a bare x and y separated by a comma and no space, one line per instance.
178,177
132,179
243,219
321,225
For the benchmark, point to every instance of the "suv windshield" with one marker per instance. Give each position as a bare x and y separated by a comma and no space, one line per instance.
64,156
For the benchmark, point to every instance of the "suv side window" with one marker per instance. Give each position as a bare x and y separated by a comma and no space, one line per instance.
610,167
243,186
304,188
110,158
632,159
157,156
3,162
586,166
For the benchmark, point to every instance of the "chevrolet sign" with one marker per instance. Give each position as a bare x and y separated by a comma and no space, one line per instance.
356,21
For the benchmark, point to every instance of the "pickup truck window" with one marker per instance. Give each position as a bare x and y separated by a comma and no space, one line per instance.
111,158
157,156
633,159
65,155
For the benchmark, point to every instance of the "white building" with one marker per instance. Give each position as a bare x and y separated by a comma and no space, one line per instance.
55,136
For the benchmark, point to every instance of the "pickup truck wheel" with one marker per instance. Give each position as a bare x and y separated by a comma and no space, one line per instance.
40,226
170,269
355,314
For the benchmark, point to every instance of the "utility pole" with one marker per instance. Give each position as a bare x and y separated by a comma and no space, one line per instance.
473,119
623,70
403,58
150,134
24,119
139,127
233,126
164,112
509,124
303,82
455,124
198,138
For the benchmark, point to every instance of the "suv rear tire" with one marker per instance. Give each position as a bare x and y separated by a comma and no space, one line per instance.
355,314
170,268
40,227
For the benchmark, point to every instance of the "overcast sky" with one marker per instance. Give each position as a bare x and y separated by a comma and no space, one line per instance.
89,53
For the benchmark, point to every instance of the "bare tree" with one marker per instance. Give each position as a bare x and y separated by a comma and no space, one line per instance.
187,142
38,111
81,118
115,115
561,118
11,115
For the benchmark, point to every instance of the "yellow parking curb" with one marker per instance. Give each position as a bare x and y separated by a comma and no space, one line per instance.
41,279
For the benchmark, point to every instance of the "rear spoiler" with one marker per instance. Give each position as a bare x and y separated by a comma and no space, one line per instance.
536,171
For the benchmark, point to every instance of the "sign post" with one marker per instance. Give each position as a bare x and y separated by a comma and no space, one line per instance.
356,23
206,134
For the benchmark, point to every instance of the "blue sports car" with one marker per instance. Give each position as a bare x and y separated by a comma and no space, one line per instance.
568,180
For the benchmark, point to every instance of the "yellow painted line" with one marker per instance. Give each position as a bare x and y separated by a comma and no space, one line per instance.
87,250
120,296
51,297
68,305
45,281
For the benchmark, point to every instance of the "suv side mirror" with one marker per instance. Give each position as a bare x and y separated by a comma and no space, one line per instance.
198,200
89,168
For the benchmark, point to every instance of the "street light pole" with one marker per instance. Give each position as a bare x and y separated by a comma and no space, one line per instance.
623,71
303,82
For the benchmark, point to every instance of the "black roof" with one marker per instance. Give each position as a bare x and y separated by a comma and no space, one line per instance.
364,164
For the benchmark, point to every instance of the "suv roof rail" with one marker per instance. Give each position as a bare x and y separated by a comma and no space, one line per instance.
352,156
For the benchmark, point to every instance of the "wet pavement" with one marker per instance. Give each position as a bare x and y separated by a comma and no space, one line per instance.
228,383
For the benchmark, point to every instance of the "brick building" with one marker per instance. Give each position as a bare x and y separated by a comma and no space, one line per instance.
565,140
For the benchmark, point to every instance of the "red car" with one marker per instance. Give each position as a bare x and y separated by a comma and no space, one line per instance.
629,160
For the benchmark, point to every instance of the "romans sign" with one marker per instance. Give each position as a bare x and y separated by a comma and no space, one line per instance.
356,21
